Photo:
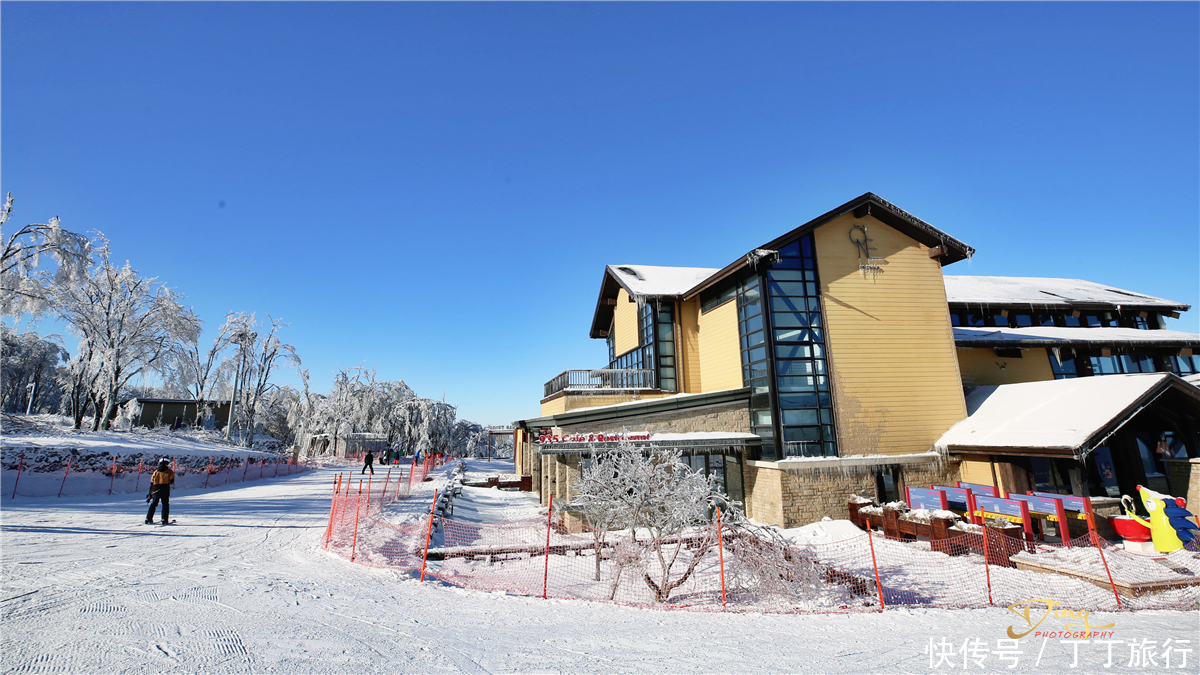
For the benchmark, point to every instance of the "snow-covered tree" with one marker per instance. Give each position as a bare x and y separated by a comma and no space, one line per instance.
127,324
259,352
24,284
31,371
654,495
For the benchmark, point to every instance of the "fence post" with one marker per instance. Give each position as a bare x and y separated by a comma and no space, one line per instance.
136,485
383,495
354,542
20,463
987,570
337,483
112,480
721,553
369,495
68,470
208,472
411,471
546,573
229,471
878,586
428,534
1096,543
276,469
246,469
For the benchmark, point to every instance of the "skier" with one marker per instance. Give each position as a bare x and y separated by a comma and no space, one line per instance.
160,489
369,463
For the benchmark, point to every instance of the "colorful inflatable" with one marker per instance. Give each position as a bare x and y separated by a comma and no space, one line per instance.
1171,525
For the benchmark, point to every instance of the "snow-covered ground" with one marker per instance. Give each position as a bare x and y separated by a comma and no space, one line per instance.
242,584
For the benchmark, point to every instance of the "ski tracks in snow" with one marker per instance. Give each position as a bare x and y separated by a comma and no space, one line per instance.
241,585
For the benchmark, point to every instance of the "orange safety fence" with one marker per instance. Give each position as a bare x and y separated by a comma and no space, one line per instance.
722,567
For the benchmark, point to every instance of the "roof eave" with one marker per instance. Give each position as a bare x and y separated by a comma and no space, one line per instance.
888,213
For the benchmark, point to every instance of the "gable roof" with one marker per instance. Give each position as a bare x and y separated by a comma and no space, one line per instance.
870,204
1047,292
1067,417
641,281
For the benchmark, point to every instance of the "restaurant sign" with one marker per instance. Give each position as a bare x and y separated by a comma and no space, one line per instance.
547,438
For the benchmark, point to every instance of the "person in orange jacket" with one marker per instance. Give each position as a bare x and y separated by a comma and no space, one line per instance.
160,490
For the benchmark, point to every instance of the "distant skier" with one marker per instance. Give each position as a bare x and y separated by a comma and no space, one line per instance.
160,490
368,463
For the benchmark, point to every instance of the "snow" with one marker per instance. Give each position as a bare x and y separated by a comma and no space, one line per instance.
654,281
1043,292
241,584
848,461
1065,336
823,532
1053,414
128,443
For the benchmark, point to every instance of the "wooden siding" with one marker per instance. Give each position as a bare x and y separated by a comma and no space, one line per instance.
625,324
896,380
981,366
689,347
720,357
976,469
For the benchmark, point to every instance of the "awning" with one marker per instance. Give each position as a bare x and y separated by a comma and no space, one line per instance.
1057,417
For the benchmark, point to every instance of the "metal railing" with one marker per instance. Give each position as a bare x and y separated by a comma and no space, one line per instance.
603,378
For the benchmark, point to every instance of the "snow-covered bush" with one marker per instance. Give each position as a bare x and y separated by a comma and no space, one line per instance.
663,503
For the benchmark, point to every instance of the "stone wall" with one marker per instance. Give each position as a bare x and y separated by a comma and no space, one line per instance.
1183,478
791,497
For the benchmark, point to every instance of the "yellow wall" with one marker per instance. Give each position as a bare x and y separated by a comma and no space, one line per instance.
585,399
981,366
897,386
625,324
976,469
689,347
720,356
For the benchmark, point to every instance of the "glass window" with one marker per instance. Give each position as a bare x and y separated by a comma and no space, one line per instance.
1070,320
805,417
1062,370
955,319
974,320
1022,320
1000,320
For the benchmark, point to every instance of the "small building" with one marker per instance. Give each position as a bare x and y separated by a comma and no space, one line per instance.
838,358
181,411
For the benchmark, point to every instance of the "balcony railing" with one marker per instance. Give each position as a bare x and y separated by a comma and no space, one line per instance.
604,378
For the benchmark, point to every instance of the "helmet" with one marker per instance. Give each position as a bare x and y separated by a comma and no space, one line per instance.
164,462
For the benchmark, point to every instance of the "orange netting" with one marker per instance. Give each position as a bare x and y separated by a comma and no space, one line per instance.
717,567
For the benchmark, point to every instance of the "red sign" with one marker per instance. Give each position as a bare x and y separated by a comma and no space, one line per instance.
549,439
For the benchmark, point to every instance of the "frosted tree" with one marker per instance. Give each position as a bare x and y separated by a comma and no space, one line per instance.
258,354
655,496
195,371
129,325
24,283
31,371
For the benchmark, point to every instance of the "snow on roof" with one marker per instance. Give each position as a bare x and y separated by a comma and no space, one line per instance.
1048,415
1193,379
1043,291
1059,335
653,281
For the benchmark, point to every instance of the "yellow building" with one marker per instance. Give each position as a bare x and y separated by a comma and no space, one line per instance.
831,360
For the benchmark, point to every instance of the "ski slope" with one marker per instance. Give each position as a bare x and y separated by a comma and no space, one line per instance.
242,585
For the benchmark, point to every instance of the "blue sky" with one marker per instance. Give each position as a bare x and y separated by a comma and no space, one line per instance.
435,189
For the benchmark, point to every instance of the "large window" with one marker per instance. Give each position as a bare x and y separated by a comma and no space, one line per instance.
756,368
665,334
1118,364
798,336
1185,365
